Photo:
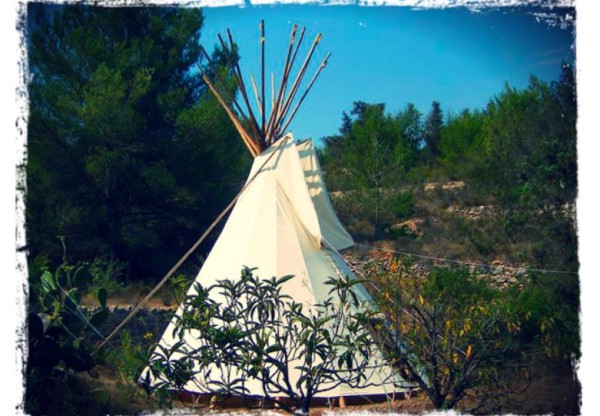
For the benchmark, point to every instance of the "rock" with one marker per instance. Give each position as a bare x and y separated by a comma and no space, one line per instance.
412,226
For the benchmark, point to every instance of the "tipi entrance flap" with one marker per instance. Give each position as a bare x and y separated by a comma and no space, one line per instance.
286,168
331,229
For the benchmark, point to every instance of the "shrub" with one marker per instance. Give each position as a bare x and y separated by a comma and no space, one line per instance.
58,344
255,332
458,338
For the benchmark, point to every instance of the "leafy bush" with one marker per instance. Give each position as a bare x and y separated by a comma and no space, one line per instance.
108,273
461,340
550,303
128,359
255,332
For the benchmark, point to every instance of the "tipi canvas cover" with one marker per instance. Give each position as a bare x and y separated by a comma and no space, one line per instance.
332,231
283,224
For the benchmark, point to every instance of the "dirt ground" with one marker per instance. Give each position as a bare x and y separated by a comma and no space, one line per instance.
552,391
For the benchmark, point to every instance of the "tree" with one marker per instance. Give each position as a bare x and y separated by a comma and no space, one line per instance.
248,330
367,161
412,130
529,139
124,143
460,143
529,146
457,338
330,159
433,130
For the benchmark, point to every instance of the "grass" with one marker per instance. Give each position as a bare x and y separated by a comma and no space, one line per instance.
133,293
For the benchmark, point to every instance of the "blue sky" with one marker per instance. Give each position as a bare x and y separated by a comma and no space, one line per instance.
397,55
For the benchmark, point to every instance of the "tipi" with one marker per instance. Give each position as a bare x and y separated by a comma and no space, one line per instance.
284,206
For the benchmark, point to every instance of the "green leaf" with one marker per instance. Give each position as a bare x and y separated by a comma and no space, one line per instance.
48,282
284,279
99,317
273,348
102,295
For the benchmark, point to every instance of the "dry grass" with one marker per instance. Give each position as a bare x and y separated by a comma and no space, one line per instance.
132,294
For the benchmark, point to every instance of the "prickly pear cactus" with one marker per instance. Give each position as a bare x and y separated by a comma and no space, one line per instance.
57,334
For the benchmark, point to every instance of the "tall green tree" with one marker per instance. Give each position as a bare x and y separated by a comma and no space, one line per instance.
433,130
367,161
530,150
127,153
460,143
530,143
412,130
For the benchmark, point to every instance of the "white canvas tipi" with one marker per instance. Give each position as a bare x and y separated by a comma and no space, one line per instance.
283,223
293,229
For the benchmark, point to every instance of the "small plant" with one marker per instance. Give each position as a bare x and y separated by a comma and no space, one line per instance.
128,359
178,287
58,334
248,331
108,273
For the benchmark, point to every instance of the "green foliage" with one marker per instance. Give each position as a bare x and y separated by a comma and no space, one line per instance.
460,142
178,287
529,147
108,273
468,344
530,144
433,131
518,156
128,359
412,129
58,335
453,334
127,153
250,330
550,303
367,162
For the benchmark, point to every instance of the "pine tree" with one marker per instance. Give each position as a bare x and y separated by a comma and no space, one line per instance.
433,130
126,154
